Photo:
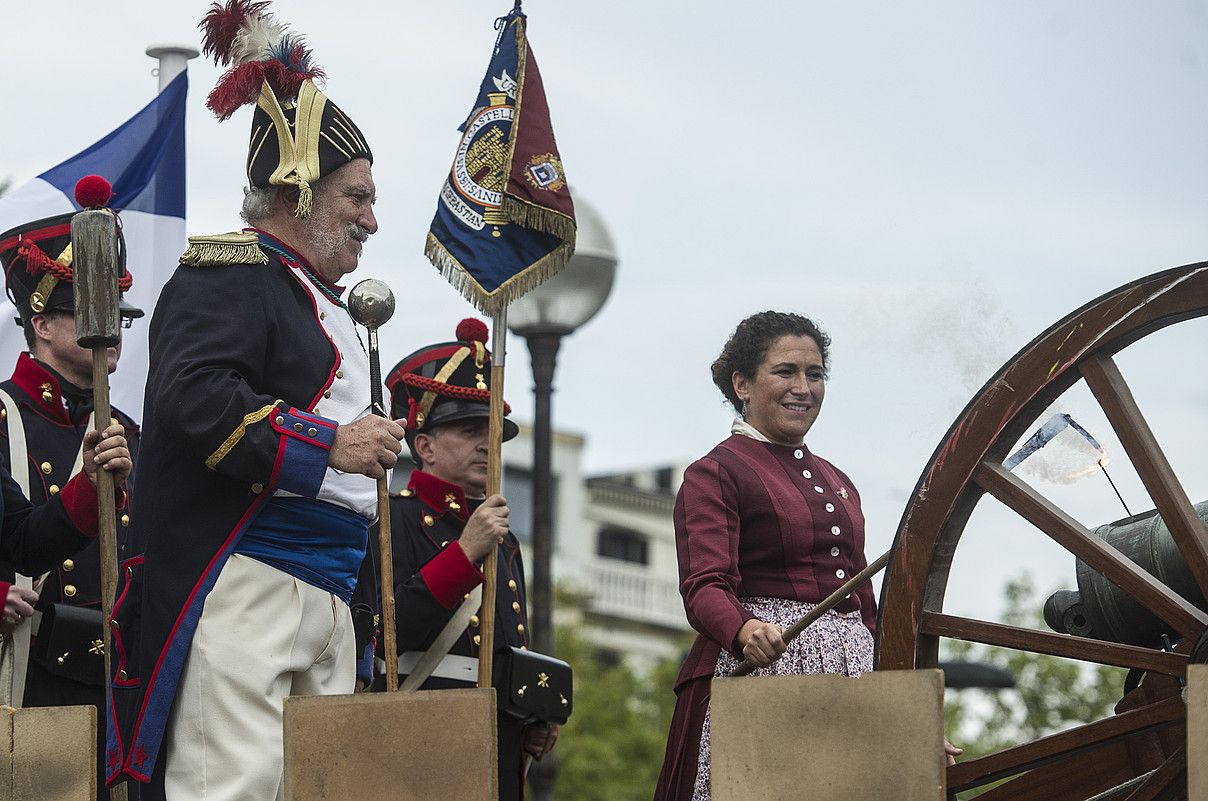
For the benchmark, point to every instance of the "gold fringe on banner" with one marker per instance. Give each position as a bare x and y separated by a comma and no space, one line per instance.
237,247
539,218
490,302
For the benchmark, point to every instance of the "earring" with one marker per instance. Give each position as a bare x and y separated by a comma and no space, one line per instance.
745,407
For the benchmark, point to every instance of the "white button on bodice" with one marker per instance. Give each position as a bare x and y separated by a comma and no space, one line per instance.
835,530
830,507
834,551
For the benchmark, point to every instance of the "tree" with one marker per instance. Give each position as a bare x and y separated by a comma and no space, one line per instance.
612,747
1051,693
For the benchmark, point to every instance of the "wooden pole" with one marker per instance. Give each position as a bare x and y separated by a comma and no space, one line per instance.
747,667
95,268
486,650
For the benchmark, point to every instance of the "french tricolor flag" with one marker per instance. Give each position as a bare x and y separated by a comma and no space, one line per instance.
144,160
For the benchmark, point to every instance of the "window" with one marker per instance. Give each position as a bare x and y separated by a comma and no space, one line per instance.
622,543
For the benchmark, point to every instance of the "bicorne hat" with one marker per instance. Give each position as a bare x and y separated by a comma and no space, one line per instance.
37,259
298,134
445,382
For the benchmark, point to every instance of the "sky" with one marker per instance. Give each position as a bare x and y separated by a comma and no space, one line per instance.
935,183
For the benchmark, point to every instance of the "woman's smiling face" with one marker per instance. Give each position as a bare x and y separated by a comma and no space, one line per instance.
784,396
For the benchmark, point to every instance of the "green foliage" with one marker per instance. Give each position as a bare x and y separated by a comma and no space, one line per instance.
612,747
1051,693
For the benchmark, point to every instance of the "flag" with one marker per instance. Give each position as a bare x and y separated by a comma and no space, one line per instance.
144,160
504,221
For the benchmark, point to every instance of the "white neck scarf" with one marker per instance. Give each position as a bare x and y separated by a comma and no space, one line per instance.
740,426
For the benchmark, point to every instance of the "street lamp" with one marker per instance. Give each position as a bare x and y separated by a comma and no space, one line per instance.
543,316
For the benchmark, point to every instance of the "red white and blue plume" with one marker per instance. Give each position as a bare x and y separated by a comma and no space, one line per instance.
259,49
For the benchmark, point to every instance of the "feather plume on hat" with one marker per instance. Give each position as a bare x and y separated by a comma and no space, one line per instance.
259,49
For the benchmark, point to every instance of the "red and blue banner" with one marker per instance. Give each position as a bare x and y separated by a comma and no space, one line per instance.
505,221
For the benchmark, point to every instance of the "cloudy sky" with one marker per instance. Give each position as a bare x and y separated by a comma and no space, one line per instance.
935,182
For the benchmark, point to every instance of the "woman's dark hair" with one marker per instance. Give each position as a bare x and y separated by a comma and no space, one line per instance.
749,344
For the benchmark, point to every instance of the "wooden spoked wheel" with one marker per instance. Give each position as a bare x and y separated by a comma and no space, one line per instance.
1135,754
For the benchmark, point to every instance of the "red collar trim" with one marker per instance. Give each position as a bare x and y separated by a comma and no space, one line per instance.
295,257
34,380
439,494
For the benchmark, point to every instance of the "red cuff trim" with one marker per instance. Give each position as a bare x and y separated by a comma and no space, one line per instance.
79,499
5,586
450,575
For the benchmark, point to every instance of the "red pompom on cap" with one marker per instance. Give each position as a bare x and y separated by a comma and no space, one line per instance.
92,192
472,329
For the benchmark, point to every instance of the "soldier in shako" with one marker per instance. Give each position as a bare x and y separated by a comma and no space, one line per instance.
47,408
260,453
443,527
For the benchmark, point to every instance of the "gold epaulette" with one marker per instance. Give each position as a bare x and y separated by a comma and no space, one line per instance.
237,247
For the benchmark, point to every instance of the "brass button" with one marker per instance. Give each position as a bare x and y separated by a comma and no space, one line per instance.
511,584
68,564
69,590
54,489
456,507
327,393
125,520
310,432
121,675
280,420
317,410
406,493
474,621
298,427
443,544
339,373
466,597
322,315
3,414
46,468
428,520
520,628
524,648
113,624
257,488
516,607
478,639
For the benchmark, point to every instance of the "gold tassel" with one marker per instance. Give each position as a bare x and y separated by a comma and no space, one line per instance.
490,302
538,218
306,199
222,249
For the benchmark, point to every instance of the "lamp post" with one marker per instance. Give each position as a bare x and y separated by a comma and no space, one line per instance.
543,317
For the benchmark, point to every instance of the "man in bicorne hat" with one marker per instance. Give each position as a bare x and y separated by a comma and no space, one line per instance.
443,527
260,451
47,408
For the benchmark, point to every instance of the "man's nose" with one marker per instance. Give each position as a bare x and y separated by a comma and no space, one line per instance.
368,220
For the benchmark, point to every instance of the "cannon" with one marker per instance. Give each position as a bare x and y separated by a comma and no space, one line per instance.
1139,751
1101,610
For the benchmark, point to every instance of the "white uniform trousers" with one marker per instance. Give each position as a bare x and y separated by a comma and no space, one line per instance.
263,635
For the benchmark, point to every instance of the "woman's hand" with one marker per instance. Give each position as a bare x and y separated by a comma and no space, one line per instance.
17,606
761,642
951,752
107,449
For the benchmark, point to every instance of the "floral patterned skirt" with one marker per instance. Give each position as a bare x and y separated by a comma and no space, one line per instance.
838,642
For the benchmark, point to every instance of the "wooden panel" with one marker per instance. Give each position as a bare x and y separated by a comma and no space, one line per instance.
1075,538
1011,761
1113,394
879,736
1046,642
54,753
420,746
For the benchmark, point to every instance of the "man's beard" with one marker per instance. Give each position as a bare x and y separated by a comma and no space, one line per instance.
325,239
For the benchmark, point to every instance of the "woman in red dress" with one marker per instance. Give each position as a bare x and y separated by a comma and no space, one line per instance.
765,529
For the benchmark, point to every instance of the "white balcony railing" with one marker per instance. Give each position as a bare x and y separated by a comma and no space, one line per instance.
630,592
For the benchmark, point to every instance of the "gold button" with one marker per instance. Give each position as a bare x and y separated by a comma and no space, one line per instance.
298,427
511,584
68,564
310,432
3,414
280,420
113,624
257,488
520,628
339,373
478,639
69,590
54,489
121,675
474,621
322,315
406,493
46,468
466,597
516,607
524,648
125,520
317,410
443,544
327,393
428,520
456,507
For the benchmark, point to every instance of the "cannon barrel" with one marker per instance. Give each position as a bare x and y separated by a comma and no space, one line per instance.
1101,610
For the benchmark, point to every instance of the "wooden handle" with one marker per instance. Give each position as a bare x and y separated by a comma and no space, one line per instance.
831,601
386,549
486,649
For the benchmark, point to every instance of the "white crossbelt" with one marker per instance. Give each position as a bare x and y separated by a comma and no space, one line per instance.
452,666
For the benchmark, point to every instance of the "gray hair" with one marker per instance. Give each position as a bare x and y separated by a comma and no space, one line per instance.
258,204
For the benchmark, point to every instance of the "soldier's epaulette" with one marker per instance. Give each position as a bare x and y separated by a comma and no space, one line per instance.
237,247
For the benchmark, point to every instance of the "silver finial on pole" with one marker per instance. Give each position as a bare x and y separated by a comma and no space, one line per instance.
173,60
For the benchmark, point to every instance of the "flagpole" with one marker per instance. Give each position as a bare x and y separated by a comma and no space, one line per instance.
173,60
486,650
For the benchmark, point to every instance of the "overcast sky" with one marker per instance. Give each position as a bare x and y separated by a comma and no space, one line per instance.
935,182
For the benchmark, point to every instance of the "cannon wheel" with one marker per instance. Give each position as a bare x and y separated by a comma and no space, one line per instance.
1123,756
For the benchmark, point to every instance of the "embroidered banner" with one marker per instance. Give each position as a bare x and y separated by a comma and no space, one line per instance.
504,221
